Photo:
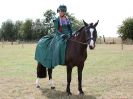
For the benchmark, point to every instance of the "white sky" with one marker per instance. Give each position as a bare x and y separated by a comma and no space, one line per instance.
110,13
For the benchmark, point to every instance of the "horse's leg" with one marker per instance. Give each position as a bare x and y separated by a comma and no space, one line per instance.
69,72
41,73
37,83
51,82
50,73
80,69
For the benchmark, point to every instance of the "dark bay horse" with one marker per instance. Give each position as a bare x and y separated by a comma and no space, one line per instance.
76,54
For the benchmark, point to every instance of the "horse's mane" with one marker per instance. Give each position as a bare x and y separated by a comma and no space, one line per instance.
80,29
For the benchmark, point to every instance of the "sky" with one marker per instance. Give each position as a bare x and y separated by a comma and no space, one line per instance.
110,13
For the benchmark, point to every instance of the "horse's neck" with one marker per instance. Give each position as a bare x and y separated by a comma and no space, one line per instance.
81,37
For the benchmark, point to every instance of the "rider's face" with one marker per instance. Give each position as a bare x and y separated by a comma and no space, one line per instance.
61,13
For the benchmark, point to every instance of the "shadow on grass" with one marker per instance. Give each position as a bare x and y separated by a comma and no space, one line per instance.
57,94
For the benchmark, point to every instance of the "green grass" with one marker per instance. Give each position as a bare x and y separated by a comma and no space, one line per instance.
108,73
16,60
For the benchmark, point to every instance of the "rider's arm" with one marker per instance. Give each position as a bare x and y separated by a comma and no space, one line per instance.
56,27
70,29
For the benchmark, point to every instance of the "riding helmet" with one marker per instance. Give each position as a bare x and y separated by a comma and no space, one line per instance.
62,8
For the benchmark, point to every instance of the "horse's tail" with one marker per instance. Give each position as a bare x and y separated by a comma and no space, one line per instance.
41,71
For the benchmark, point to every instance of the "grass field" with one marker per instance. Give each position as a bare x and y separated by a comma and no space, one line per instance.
108,74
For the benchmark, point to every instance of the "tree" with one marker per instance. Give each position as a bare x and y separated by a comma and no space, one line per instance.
7,30
30,30
126,29
38,29
27,29
49,16
76,24
18,28
0,34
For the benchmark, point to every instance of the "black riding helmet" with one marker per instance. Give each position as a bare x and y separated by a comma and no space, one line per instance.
62,8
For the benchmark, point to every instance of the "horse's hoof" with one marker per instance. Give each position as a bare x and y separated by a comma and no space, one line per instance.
52,88
69,93
37,86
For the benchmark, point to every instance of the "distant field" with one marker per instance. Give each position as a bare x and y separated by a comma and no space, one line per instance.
108,74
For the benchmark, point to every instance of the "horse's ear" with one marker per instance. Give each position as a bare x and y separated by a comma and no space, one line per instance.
96,23
86,24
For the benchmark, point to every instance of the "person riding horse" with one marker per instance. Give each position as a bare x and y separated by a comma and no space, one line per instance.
50,50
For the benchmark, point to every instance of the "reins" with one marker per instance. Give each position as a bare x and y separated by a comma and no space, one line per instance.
77,33
78,42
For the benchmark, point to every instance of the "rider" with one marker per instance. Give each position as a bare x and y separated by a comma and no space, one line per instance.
62,23
50,50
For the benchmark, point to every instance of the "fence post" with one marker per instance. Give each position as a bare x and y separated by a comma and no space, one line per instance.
22,43
104,39
121,43
2,43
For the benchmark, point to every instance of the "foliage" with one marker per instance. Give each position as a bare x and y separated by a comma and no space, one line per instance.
7,30
126,29
18,29
33,30
49,16
27,29
38,29
76,24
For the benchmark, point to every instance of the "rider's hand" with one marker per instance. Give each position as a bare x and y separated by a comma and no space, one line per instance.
64,36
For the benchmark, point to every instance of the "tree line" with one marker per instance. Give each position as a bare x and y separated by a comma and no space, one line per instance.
33,30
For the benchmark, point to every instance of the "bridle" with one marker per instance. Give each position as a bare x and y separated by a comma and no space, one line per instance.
86,30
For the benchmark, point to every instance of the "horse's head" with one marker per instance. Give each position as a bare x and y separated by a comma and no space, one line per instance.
91,33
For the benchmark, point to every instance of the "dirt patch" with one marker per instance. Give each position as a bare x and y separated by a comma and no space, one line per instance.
114,86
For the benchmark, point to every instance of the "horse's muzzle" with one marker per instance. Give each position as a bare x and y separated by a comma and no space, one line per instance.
91,48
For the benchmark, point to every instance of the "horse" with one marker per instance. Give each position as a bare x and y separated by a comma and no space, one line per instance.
76,54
